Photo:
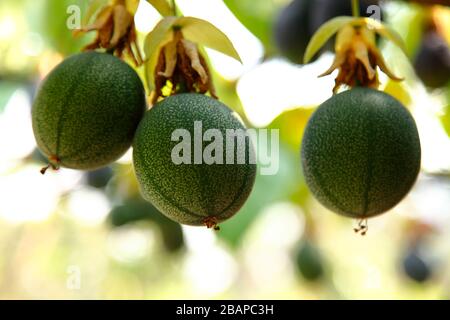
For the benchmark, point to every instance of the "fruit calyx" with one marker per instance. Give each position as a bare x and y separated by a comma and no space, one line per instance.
211,222
181,63
53,162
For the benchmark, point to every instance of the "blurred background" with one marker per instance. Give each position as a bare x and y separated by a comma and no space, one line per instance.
72,234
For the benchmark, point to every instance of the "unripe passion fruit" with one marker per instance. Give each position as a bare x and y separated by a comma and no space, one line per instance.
360,153
190,193
87,110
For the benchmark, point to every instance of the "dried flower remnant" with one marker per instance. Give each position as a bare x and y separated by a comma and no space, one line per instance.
116,32
357,58
181,64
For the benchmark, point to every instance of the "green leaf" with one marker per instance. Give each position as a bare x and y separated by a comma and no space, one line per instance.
157,38
257,16
94,7
204,33
325,32
385,31
162,6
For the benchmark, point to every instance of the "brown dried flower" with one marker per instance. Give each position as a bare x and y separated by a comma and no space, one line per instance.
357,58
181,63
116,32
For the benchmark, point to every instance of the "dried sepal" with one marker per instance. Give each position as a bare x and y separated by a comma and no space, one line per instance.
191,50
357,58
170,59
116,32
181,64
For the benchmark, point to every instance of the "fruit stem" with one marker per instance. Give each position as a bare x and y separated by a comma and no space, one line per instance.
52,163
355,8
211,222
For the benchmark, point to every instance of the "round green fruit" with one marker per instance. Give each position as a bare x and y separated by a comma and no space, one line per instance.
87,111
194,191
360,153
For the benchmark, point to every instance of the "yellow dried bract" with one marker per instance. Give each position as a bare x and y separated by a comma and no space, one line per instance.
357,58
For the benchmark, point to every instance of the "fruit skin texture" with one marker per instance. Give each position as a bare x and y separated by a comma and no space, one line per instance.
189,193
87,110
360,153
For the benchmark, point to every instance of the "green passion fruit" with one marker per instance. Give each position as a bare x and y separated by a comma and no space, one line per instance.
360,153
194,191
87,110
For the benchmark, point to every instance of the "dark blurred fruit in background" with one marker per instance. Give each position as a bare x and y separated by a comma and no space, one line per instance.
298,21
324,10
432,62
137,209
99,178
415,265
309,261
291,30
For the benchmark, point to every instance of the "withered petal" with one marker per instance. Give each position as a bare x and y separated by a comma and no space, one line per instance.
170,54
122,21
338,61
362,55
382,64
192,52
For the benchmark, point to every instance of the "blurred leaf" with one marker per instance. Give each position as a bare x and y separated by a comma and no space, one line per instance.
123,185
325,32
286,185
292,124
445,119
55,29
137,209
162,6
205,33
385,31
267,190
409,23
7,89
398,91
256,16
99,178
